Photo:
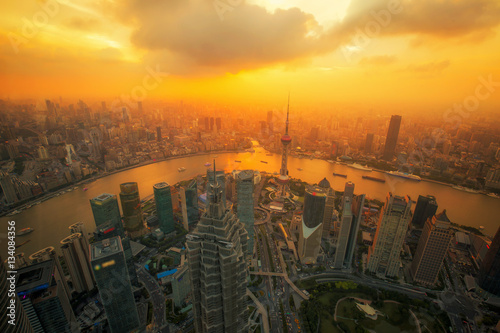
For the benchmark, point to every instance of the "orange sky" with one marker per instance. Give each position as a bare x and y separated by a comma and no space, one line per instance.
370,54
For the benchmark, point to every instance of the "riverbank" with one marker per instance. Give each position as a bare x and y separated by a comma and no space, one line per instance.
69,186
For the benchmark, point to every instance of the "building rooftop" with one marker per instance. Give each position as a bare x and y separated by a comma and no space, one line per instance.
161,185
324,183
34,277
442,217
105,248
70,238
102,198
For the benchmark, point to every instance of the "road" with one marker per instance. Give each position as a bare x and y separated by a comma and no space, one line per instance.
156,295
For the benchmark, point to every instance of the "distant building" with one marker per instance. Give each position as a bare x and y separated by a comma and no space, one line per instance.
431,250
349,227
311,228
21,322
8,188
180,285
75,255
369,143
218,269
392,138
131,206
164,208
384,255
44,301
105,209
489,272
329,208
245,200
426,207
189,200
158,134
108,264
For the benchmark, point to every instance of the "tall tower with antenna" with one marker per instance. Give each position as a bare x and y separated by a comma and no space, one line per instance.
285,141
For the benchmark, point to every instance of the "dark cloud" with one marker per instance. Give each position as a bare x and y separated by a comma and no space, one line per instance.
193,36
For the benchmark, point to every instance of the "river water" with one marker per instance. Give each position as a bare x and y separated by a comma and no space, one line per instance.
51,218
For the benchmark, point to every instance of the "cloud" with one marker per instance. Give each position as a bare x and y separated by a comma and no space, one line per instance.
194,37
83,23
429,68
378,60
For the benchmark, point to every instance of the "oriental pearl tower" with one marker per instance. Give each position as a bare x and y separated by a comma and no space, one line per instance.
285,141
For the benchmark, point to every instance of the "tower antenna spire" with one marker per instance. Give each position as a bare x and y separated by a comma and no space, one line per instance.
287,112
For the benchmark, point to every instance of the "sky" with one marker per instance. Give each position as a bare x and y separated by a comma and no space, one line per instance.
386,55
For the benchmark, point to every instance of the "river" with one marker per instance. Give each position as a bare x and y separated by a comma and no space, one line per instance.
51,218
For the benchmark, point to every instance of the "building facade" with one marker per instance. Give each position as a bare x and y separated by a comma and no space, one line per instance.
131,207
75,255
115,289
105,209
164,209
189,201
426,207
384,255
217,265
312,228
489,272
245,200
392,138
431,250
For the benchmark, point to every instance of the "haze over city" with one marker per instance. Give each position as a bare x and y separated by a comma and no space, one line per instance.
250,166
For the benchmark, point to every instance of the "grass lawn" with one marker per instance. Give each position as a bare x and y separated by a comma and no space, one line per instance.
395,322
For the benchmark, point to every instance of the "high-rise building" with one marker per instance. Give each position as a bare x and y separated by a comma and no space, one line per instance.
109,267
489,271
8,187
348,192
105,209
311,228
79,227
426,207
218,124
189,200
392,138
349,227
384,255
369,143
158,133
14,320
164,209
221,179
245,201
49,253
216,258
180,285
329,207
75,256
44,301
285,142
431,250
131,207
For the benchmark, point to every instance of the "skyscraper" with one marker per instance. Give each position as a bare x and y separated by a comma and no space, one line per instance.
384,254
131,207
348,192
489,272
19,322
426,207
189,200
392,138
244,195
311,227
8,187
105,209
49,253
285,142
108,264
329,207
216,257
346,242
164,209
221,179
158,134
44,301
369,143
74,253
431,250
